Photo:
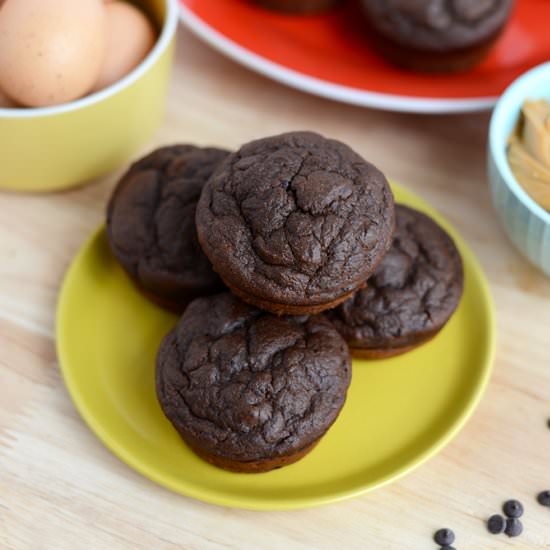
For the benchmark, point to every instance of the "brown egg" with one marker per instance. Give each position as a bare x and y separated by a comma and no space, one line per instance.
5,101
130,36
50,50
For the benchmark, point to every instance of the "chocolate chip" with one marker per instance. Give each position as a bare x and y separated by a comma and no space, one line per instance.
444,537
495,524
514,527
544,498
448,548
513,509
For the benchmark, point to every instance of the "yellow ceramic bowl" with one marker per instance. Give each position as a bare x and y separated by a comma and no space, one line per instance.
57,147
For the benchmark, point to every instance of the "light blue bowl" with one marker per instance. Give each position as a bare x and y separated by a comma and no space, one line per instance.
527,223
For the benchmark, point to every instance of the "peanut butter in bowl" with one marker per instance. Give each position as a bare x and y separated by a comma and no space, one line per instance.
529,151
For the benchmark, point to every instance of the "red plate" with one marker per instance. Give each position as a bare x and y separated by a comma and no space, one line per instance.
329,55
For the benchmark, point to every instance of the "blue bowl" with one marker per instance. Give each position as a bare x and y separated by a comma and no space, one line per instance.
526,223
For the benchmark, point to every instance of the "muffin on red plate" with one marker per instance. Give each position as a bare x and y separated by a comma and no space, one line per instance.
436,35
298,6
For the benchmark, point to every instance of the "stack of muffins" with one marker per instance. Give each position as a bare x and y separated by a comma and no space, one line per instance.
283,256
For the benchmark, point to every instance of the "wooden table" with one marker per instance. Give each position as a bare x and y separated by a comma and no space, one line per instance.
60,488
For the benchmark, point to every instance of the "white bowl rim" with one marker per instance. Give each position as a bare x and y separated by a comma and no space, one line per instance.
517,88
168,30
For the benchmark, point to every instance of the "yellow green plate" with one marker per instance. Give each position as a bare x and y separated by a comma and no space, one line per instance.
399,412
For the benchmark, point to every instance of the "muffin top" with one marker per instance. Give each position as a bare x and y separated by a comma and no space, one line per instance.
412,294
295,219
151,221
438,25
247,385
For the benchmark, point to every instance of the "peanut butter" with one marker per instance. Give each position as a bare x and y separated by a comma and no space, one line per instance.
529,151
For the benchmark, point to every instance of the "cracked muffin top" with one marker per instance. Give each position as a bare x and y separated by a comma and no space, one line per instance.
412,294
244,384
295,219
438,25
151,222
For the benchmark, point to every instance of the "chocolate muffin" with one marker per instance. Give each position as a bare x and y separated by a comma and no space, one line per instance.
151,224
436,35
295,223
412,295
298,6
249,391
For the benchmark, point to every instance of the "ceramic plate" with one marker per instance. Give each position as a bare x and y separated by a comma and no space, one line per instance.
398,413
330,55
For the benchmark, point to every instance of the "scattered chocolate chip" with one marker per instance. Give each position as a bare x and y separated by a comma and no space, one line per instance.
495,524
444,537
514,527
513,509
544,498
448,548
548,422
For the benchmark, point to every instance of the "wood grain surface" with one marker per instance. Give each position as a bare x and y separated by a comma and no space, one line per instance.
61,489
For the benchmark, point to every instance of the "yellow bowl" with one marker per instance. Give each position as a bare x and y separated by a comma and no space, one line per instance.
52,148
